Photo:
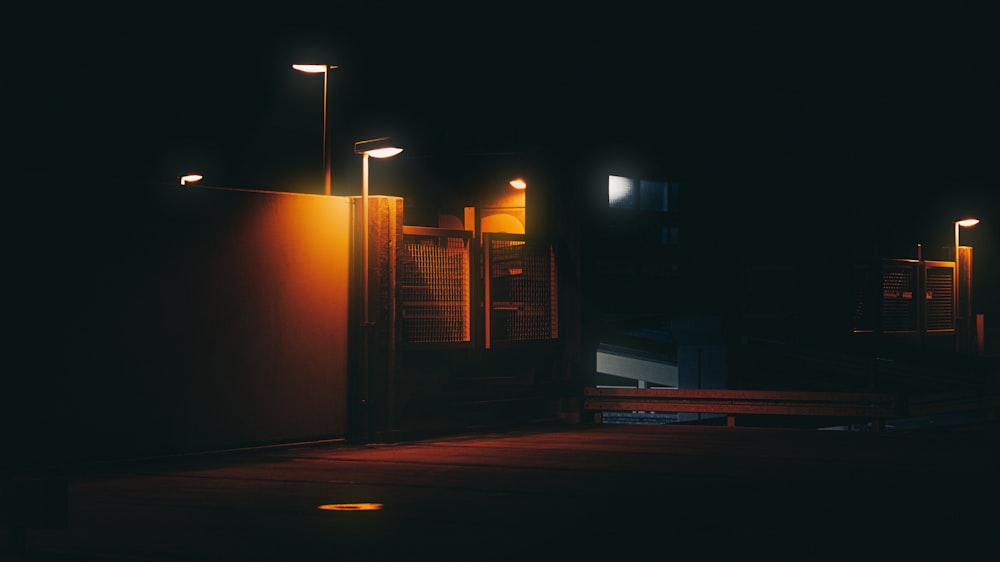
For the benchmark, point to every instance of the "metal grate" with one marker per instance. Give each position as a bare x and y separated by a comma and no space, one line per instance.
434,289
940,313
899,308
522,292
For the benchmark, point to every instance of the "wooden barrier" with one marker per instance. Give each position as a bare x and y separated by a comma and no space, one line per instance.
862,406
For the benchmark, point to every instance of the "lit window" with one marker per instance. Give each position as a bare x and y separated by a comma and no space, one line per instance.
621,192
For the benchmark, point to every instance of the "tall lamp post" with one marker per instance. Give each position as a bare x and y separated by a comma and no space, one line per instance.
324,69
377,148
964,223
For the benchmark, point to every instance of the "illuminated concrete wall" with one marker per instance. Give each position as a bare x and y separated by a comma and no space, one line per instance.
265,323
218,321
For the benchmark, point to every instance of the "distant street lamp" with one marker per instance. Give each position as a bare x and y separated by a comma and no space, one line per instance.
191,178
964,223
316,69
377,148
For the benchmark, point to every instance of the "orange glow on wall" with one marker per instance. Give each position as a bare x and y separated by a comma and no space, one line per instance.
246,322
512,198
508,221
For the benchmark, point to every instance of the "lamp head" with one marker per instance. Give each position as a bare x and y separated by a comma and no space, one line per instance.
387,152
518,183
312,68
381,147
966,223
190,178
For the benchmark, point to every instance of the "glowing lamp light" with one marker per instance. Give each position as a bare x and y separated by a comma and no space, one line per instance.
381,147
518,183
966,223
386,152
310,68
191,178
350,507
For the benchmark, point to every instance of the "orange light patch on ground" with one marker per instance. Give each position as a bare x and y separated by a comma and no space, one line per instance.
350,507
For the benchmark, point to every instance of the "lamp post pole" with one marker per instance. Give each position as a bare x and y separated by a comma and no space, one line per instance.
964,223
377,148
324,69
326,148
364,239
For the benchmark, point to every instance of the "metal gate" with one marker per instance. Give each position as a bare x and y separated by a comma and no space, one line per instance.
898,296
435,286
520,290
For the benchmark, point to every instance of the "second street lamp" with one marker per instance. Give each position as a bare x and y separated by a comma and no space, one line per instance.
377,148
958,319
325,70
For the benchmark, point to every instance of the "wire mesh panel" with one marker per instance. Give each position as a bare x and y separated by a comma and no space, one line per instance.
521,290
434,288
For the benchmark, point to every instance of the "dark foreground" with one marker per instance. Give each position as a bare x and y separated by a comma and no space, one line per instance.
585,492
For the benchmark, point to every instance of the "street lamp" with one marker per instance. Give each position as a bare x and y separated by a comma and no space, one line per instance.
376,148
316,69
191,178
964,223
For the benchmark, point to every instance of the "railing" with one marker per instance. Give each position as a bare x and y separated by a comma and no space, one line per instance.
871,407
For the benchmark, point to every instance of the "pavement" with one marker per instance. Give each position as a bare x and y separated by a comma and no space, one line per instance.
541,492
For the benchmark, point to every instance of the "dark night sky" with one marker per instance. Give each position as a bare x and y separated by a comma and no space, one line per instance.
845,116
146,91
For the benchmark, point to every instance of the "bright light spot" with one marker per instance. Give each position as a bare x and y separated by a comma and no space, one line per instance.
350,507
386,152
518,183
621,192
966,223
310,68
190,178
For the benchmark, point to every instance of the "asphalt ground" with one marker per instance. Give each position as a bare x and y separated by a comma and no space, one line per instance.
544,492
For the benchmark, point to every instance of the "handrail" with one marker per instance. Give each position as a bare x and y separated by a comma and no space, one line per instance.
876,407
